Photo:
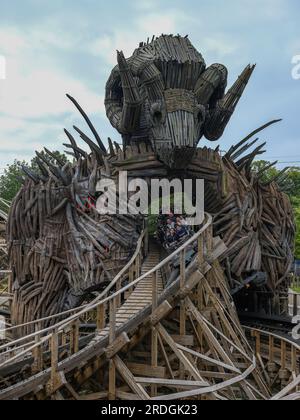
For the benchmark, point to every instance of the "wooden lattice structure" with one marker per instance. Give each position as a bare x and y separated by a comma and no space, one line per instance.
63,252
155,341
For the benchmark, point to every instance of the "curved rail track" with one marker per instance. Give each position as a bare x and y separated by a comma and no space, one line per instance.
153,340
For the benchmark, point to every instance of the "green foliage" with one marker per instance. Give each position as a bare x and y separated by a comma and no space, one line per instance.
258,165
11,180
290,185
289,181
294,178
296,206
60,156
10,183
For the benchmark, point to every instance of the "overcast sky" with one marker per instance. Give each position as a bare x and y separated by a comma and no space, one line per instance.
69,46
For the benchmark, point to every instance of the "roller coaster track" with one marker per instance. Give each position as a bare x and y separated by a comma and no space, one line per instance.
203,353
279,358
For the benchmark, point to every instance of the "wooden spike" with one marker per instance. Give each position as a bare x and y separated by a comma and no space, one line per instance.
35,178
89,123
73,143
79,152
258,130
111,147
53,156
278,176
257,151
243,149
94,148
266,168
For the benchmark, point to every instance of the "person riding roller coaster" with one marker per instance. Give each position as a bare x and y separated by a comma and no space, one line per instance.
172,231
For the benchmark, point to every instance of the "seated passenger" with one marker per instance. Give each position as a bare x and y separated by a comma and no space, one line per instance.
171,236
170,224
181,232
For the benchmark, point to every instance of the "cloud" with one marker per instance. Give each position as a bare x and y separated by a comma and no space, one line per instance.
146,5
143,26
12,41
19,138
270,9
33,105
158,23
34,86
40,93
219,46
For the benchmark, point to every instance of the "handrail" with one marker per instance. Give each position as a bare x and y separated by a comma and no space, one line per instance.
4,215
5,202
63,324
102,294
152,271
278,337
296,348
282,394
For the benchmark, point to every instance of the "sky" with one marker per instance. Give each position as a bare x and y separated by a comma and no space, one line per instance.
55,47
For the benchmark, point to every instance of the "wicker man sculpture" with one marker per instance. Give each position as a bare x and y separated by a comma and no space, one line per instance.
162,100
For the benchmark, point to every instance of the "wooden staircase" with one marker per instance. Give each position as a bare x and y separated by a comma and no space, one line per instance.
141,296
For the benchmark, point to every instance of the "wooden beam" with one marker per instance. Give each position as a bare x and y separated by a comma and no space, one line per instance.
129,379
172,383
160,312
117,345
94,397
182,358
146,370
184,340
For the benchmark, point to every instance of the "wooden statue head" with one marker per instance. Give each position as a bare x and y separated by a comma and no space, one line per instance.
165,95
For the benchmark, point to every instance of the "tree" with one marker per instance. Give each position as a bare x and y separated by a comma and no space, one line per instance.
290,184
11,180
57,157
268,174
294,178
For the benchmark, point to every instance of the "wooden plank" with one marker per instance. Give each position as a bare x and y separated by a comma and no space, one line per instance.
94,397
210,389
126,396
287,390
192,282
183,359
172,383
184,340
117,345
146,370
129,379
160,312
112,380
209,360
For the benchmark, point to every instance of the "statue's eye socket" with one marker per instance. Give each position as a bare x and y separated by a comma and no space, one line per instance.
157,117
200,116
